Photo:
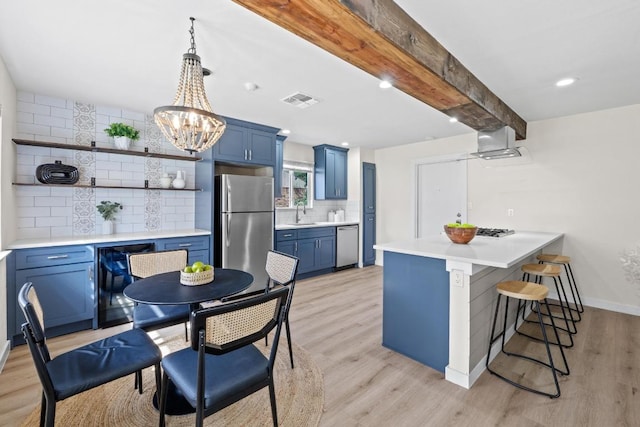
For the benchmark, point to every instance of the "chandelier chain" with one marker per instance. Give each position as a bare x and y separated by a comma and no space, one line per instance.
192,49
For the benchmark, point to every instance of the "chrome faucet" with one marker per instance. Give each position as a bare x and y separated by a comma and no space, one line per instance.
304,211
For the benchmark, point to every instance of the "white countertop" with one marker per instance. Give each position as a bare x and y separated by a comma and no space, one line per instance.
314,224
502,252
103,238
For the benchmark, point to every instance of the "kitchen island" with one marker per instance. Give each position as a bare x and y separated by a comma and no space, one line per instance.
438,296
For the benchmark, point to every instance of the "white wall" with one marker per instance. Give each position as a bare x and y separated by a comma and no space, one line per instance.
580,180
7,215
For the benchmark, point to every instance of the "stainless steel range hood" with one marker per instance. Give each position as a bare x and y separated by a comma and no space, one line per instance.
498,144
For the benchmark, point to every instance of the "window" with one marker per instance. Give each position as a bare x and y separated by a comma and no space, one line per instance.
297,188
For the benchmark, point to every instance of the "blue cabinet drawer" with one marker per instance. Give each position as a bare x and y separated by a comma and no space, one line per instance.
282,235
52,256
190,243
308,233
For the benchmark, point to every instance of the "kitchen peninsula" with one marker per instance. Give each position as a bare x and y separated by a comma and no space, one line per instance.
438,296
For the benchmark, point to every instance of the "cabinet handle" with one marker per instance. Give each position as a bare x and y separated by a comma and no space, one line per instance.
370,219
184,245
58,256
91,273
287,235
295,248
250,154
319,244
370,207
245,154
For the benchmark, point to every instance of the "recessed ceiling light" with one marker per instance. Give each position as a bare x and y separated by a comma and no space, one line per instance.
345,144
453,120
251,86
565,82
385,84
285,131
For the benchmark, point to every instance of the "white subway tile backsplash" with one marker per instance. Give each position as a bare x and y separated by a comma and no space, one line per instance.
50,101
64,113
48,120
45,211
26,222
49,201
34,211
113,113
51,221
29,107
25,117
61,132
39,130
35,233
61,231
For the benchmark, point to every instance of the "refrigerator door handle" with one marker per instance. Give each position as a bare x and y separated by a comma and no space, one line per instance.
228,231
229,198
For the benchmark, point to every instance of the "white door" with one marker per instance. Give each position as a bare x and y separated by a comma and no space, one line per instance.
441,194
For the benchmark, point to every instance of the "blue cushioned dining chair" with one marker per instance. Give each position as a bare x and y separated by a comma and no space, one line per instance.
151,317
223,366
282,270
83,368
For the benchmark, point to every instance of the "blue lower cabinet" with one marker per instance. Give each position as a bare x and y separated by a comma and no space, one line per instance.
307,255
314,247
325,256
197,247
65,292
63,277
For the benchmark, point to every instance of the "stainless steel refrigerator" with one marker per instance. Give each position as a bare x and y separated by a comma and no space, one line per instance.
244,224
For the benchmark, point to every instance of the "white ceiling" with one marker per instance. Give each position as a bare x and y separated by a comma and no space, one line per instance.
128,54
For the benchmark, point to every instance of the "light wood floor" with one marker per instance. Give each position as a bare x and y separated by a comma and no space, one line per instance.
338,319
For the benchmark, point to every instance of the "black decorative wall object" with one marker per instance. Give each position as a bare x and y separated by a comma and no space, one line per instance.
57,173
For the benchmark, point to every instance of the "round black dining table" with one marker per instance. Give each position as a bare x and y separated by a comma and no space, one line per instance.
166,288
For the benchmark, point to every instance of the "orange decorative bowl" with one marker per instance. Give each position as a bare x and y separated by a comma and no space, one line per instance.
459,234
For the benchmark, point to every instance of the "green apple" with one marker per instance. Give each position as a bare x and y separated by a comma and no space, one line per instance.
197,270
188,269
453,225
467,225
197,264
206,267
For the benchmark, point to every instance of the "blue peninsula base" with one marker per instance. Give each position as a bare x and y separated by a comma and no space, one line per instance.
415,320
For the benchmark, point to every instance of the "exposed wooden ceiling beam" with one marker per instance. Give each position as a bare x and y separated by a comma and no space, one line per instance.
378,37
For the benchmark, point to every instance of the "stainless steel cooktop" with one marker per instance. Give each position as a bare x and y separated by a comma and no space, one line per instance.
494,232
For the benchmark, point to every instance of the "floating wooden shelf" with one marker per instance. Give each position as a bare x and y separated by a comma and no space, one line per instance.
105,150
105,186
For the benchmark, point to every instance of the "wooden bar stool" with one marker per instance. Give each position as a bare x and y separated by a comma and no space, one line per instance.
526,291
553,271
565,261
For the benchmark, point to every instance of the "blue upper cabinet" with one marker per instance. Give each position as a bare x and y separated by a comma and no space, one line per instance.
330,172
277,171
247,143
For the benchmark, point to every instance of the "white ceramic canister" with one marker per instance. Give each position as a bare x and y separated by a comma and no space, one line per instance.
339,215
331,216
165,181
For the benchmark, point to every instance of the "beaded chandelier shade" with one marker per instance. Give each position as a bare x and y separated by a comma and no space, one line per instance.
190,123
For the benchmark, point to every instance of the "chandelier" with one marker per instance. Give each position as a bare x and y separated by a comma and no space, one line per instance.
190,123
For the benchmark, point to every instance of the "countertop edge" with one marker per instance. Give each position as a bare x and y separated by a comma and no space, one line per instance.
103,238
279,227
400,248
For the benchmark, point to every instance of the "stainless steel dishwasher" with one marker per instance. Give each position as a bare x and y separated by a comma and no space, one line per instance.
347,246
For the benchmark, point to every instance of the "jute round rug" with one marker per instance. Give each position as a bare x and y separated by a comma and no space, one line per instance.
299,398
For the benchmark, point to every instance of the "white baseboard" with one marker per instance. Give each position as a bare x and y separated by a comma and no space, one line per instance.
4,354
605,305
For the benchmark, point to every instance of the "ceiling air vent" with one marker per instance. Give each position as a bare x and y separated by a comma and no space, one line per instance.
300,100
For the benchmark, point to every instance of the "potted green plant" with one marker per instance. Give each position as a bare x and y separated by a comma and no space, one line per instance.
122,134
108,210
